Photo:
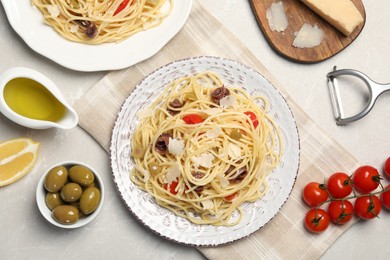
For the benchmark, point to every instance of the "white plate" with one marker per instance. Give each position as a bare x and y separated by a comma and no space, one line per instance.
28,22
161,220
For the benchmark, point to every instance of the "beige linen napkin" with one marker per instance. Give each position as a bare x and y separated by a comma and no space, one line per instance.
285,236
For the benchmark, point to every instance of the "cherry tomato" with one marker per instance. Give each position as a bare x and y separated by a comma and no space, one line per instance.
231,197
366,179
172,187
121,6
314,194
192,119
340,211
339,185
253,118
385,197
317,220
386,168
367,207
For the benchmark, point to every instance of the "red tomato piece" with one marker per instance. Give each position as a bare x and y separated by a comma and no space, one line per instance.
386,168
317,220
171,187
339,185
314,194
385,197
366,179
367,207
122,6
192,119
253,118
340,211
231,196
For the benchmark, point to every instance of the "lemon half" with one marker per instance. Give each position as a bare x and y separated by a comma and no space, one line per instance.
17,157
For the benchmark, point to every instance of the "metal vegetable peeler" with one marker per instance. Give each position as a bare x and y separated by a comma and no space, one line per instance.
375,90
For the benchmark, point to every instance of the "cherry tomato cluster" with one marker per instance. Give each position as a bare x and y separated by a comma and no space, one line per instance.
346,195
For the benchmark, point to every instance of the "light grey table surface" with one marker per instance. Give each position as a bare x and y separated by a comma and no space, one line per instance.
115,234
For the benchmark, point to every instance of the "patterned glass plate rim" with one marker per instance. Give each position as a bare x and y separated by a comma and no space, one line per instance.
27,21
161,220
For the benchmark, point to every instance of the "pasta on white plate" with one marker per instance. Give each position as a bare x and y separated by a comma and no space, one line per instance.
102,21
203,148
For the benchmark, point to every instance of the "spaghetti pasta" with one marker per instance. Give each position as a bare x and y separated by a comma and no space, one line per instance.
203,149
102,21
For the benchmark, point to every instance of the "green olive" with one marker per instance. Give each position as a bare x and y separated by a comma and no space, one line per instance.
81,175
66,214
236,134
93,184
77,205
89,201
53,200
190,96
74,4
154,168
71,192
56,178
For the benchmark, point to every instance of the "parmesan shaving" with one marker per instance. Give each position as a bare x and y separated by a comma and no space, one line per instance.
228,101
276,16
214,133
213,111
173,173
73,28
204,160
146,176
234,151
176,147
223,180
308,36
207,204
53,10
144,113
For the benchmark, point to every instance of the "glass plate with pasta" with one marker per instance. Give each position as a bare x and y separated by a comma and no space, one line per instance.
65,39
205,151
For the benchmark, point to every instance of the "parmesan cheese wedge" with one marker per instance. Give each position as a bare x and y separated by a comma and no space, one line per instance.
342,14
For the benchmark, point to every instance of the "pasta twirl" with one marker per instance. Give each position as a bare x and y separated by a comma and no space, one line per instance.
100,21
202,149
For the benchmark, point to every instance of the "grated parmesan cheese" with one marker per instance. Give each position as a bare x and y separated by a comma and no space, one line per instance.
276,16
176,147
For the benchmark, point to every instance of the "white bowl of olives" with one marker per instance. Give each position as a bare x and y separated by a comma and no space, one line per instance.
70,194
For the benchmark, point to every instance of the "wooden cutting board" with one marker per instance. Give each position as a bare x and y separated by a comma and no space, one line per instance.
298,14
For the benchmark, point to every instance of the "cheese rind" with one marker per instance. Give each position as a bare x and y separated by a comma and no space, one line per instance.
342,14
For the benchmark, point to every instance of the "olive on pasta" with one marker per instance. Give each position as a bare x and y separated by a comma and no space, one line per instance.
101,21
204,148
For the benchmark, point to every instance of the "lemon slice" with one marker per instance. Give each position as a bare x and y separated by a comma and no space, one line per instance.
17,157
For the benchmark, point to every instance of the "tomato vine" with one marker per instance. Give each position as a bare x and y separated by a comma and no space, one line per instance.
361,194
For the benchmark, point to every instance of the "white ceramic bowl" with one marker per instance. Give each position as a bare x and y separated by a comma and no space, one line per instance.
47,213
